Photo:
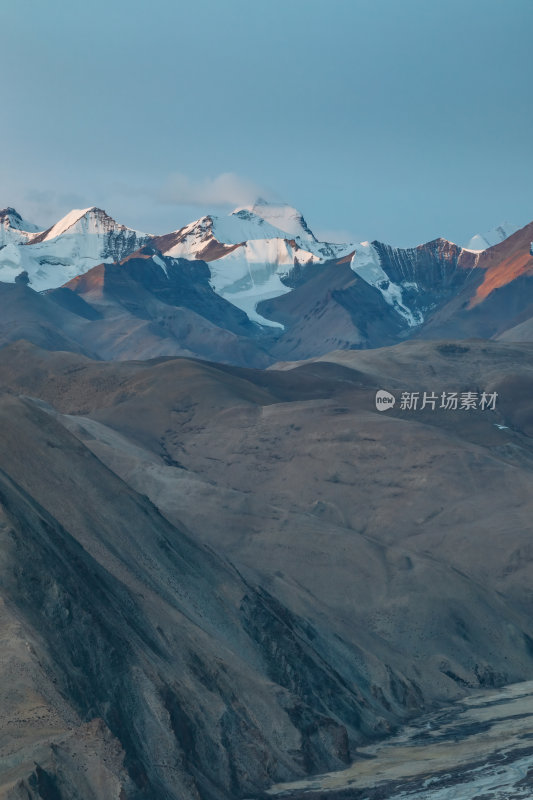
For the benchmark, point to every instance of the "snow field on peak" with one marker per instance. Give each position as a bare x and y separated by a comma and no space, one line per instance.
66,222
280,216
237,228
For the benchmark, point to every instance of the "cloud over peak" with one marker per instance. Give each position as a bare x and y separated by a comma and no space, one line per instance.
227,189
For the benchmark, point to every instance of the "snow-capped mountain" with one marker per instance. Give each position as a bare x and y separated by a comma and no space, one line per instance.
81,240
247,257
481,241
413,281
14,229
367,264
261,255
254,254
280,216
260,252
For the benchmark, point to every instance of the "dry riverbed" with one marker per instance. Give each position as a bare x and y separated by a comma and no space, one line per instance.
480,748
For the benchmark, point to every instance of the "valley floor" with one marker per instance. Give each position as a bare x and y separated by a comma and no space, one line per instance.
480,748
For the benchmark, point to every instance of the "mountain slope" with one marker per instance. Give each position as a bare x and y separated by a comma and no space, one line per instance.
332,308
431,291
498,295
150,304
139,641
25,314
146,306
218,680
377,296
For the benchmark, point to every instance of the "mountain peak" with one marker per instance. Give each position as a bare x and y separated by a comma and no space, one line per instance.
9,212
279,215
481,241
10,218
82,220
64,223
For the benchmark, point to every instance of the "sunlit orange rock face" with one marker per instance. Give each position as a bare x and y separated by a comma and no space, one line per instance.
90,283
504,263
89,280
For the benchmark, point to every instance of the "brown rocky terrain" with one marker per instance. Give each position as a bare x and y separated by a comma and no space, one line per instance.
495,299
215,579
144,307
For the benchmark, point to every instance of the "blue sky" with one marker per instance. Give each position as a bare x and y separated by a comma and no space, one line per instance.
400,120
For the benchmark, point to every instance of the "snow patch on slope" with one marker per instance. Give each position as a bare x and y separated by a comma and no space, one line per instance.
160,263
252,273
367,265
